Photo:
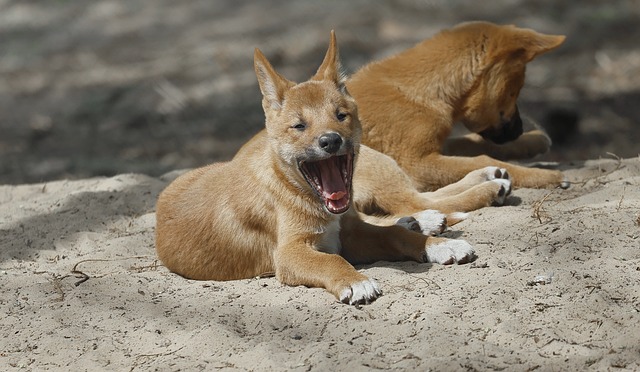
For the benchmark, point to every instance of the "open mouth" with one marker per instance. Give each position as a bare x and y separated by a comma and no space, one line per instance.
331,180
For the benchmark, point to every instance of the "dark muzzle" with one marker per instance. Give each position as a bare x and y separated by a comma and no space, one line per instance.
508,130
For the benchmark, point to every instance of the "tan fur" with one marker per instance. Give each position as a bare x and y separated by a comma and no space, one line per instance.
257,214
383,188
472,74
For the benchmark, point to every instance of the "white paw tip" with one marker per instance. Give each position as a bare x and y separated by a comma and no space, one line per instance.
451,251
431,221
505,190
503,182
493,173
363,292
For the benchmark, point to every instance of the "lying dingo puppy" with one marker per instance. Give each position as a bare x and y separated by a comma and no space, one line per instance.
471,73
283,204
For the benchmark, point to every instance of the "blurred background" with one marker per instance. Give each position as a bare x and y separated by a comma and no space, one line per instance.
103,87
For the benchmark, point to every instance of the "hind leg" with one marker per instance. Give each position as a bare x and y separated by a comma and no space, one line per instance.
493,178
381,187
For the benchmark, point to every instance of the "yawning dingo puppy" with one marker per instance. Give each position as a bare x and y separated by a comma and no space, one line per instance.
472,74
283,204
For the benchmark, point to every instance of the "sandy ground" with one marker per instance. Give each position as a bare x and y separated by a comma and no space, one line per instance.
555,287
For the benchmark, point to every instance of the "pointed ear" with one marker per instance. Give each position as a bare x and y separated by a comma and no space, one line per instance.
536,43
272,85
331,69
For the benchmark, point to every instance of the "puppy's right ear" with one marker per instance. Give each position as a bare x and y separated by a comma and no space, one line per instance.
272,85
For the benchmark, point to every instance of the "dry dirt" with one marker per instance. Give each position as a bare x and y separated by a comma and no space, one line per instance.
556,287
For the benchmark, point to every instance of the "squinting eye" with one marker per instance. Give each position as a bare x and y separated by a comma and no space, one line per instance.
341,116
300,126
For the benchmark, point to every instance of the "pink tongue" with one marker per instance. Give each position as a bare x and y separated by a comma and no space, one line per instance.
333,187
337,195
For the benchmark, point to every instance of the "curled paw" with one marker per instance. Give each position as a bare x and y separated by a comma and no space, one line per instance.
360,293
450,251
503,190
428,222
495,173
490,173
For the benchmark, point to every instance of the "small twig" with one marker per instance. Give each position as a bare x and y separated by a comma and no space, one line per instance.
624,189
84,277
427,281
57,286
136,362
592,287
618,159
538,210
151,267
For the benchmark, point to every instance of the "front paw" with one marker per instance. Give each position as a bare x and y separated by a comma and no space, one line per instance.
489,173
428,222
450,251
495,173
502,190
360,293
535,142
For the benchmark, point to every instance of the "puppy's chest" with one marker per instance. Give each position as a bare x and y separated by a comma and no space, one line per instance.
329,239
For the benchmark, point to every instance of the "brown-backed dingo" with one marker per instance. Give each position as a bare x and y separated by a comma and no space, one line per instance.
472,74
283,204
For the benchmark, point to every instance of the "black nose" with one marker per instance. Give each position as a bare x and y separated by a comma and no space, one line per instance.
507,132
330,142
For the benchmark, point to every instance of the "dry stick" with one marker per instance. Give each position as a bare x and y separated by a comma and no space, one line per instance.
428,282
57,285
153,266
57,280
618,166
84,277
624,189
537,207
619,159
140,356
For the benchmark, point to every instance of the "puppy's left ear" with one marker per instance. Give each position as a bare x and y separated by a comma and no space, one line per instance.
536,43
331,69
272,85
